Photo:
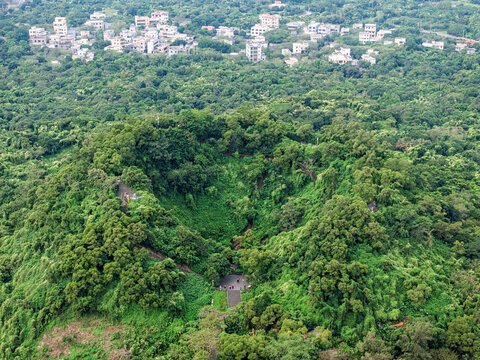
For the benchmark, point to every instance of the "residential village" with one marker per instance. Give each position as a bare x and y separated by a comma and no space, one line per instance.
155,34
149,35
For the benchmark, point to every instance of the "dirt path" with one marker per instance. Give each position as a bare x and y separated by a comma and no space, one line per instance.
160,257
261,181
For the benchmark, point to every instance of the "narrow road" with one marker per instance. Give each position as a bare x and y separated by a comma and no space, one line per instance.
234,297
442,34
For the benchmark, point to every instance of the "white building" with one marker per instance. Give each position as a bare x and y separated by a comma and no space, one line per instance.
97,15
254,52
150,33
167,31
139,44
60,26
37,35
272,21
295,25
313,27
342,56
339,58
400,41
382,33
434,44
364,37
225,31
345,51
259,29
357,26
96,24
460,47
278,4
371,29
291,61
369,58
108,34
299,47
142,21
286,52
159,17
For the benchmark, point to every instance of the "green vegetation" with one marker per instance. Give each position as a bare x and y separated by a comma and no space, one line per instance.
348,196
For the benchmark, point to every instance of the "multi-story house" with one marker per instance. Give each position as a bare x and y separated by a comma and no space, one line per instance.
272,21
38,36
259,29
60,26
254,51
142,21
159,17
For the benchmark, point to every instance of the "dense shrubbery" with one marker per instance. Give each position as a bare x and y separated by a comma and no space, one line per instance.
348,197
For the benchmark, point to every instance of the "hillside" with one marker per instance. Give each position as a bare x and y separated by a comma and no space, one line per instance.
347,195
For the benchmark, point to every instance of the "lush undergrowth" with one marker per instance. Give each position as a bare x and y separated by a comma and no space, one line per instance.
349,196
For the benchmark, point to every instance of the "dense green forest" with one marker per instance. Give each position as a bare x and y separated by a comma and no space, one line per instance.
349,196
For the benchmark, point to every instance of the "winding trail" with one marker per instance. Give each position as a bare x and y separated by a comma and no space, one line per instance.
124,193
160,257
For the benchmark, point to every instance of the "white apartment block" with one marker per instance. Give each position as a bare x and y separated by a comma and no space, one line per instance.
327,29
299,47
150,33
371,29
254,52
167,31
139,44
259,29
142,21
97,16
313,27
96,24
60,26
225,31
364,37
338,58
36,31
159,17
38,36
272,21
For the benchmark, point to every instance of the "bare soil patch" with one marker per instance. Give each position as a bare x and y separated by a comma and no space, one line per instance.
59,341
